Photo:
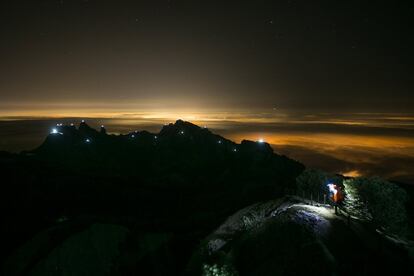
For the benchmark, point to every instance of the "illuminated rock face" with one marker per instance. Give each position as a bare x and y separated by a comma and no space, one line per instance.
265,235
315,219
287,234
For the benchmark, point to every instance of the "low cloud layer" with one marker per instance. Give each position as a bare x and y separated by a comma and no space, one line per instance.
359,144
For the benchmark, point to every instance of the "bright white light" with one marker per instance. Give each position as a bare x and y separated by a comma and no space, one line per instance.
219,142
234,150
88,140
102,126
54,131
321,210
83,121
71,124
182,132
155,137
133,136
332,188
261,141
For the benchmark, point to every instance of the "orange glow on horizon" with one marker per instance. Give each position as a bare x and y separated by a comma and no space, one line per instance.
353,173
292,134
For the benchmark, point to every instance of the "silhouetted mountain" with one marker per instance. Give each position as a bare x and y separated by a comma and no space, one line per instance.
180,183
193,154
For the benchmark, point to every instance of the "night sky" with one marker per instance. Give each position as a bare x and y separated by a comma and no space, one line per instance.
317,79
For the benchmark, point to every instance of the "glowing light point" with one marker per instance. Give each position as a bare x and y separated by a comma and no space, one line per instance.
133,136
332,188
219,142
83,121
234,150
71,124
54,131
155,137
102,126
261,141
182,132
88,140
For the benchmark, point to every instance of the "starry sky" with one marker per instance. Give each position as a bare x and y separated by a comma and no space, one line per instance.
170,53
327,82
